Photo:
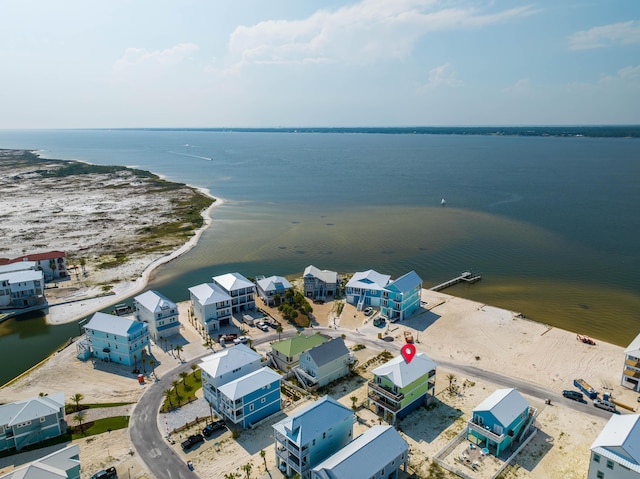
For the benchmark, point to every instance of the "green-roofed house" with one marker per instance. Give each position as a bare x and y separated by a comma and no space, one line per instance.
286,353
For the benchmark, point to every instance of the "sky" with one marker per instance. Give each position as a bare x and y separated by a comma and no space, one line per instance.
287,63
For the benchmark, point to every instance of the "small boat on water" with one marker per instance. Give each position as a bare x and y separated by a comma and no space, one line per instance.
443,202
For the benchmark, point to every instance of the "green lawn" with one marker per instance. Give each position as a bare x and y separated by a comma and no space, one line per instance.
99,426
183,393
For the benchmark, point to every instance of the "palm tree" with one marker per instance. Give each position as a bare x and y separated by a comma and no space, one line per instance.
79,418
279,331
194,367
135,361
166,341
76,398
167,394
175,383
451,377
231,475
264,458
184,375
247,469
178,349
144,361
354,400
152,363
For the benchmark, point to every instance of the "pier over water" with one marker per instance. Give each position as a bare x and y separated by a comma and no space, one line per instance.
467,277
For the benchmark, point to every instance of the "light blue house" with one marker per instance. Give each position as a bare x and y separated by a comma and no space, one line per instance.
31,421
61,464
241,290
309,436
377,453
251,398
117,339
210,306
366,289
401,297
271,288
160,314
323,364
500,420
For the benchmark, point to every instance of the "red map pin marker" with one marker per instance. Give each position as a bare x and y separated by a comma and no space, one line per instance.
408,352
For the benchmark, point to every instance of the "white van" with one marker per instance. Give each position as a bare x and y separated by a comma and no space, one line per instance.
606,405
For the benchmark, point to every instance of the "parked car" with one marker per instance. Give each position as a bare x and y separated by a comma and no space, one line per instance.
262,325
368,311
192,441
106,474
241,340
606,405
209,429
575,395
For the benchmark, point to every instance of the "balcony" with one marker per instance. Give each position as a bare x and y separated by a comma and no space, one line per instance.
385,392
633,363
485,431
631,373
384,401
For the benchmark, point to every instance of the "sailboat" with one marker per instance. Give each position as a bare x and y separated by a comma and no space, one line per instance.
443,202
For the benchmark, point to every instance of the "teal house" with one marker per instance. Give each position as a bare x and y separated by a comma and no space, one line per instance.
401,297
501,420
117,339
61,464
366,288
399,387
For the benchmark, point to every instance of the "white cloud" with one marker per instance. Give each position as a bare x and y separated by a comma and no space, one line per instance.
357,34
141,58
624,33
442,76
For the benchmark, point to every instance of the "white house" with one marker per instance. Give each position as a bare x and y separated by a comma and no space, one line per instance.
271,288
22,289
615,454
631,370
241,290
366,288
61,464
52,263
160,314
320,284
211,306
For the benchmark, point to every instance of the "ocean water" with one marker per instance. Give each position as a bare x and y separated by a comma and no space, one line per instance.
551,222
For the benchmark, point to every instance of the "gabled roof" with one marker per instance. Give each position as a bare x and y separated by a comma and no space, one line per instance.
19,266
239,388
233,281
274,283
328,351
634,348
209,293
298,344
30,409
619,440
504,404
39,256
117,325
401,373
405,282
155,302
313,420
324,275
365,456
369,279
22,276
53,466
228,360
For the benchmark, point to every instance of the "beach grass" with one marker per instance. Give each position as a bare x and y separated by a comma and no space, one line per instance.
100,426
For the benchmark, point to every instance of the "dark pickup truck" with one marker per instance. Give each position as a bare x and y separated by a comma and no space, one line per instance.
209,429
192,441
106,474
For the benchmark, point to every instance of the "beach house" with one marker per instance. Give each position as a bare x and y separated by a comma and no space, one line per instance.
241,290
500,420
22,289
398,387
160,314
31,421
61,464
379,452
323,364
250,398
117,339
366,289
320,284
53,264
225,366
401,297
615,454
285,354
631,368
307,437
210,306
273,289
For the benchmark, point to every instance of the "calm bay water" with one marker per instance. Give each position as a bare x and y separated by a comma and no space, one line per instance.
551,222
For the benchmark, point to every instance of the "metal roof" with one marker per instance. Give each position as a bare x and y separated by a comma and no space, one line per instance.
154,301
619,440
274,283
298,344
369,279
504,404
23,276
209,293
53,466
328,351
324,275
402,373
239,388
117,325
233,281
229,359
30,409
405,282
634,348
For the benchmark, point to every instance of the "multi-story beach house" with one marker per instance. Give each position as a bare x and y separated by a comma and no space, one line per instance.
160,314
615,454
273,289
250,398
401,297
285,354
379,452
117,339
366,288
52,263
631,369
31,421
210,306
307,437
323,364
320,284
225,366
398,387
61,464
500,420
241,290
22,289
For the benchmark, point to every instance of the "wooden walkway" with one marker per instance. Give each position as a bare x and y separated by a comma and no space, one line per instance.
467,277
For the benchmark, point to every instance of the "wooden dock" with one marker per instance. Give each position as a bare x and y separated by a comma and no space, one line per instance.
467,277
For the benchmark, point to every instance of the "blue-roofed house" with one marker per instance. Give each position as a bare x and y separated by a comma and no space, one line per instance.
273,289
615,454
211,306
307,437
320,284
399,387
401,297
377,453
323,364
117,339
500,420
241,290
160,314
225,366
366,289
251,398
31,421
61,464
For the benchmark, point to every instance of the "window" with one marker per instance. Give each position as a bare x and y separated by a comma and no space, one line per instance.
263,400
250,407
609,464
43,419
600,475
596,457
324,435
